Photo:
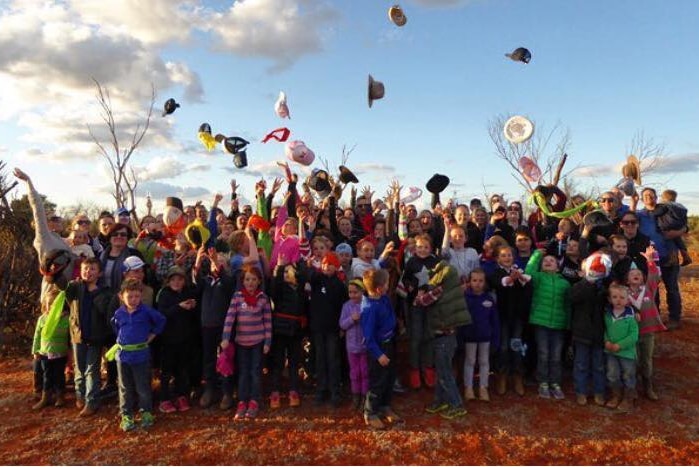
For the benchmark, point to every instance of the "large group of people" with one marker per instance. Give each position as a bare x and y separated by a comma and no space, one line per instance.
202,299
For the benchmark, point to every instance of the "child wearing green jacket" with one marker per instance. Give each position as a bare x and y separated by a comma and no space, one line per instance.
50,348
620,338
550,315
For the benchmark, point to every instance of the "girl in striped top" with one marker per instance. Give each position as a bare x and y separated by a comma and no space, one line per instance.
251,313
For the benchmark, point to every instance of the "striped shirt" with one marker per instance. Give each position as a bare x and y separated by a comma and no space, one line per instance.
644,301
253,324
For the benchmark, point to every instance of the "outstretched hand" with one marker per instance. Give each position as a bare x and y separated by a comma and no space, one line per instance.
20,174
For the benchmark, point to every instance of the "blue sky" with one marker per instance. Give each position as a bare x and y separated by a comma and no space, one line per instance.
602,69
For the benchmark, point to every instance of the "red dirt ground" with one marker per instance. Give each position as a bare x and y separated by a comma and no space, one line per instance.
509,430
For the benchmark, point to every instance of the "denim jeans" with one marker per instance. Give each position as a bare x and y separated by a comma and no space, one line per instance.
446,389
509,360
327,352
421,351
381,379
283,348
549,344
589,362
134,381
87,373
645,349
54,373
621,371
670,275
249,360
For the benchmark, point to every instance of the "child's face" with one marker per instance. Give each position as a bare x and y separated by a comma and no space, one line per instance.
618,298
345,258
505,257
410,246
565,227
422,248
477,282
620,248
176,283
289,227
523,244
137,274
462,215
635,277
367,251
345,227
549,264
458,237
573,248
89,273
131,298
250,282
320,248
414,227
290,274
79,238
355,293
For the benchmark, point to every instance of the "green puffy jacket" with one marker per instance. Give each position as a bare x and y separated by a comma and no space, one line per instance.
450,311
550,302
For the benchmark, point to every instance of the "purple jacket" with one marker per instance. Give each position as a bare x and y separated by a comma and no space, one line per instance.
485,322
354,337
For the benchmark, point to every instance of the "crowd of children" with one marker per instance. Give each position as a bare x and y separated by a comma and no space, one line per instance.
327,292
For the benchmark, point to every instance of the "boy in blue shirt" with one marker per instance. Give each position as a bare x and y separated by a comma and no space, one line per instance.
135,325
378,322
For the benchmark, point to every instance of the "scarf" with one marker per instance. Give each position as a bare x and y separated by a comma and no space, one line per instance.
636,298
250,298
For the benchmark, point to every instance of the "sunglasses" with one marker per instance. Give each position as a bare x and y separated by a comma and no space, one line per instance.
120,234
83,222
55,219
362,205
629,222
607,200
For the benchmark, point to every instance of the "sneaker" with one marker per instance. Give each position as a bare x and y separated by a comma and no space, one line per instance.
240,411
391,417
599,400
483,394
430,377
88,411
167,407
275,400
436,407
415,378
398,388
581,399
557,392
453,412
294,399
374,422
206,398
544,392
127,423
147,419
469,395
182,404
226,402
79,404
253,410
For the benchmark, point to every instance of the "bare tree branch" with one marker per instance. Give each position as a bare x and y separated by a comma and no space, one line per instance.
649,152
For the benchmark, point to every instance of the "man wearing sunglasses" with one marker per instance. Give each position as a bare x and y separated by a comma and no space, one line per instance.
667,251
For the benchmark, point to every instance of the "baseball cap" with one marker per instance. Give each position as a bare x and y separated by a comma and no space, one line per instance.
343,248
132,263
121,212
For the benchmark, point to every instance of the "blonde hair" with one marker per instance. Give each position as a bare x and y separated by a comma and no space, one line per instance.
373,279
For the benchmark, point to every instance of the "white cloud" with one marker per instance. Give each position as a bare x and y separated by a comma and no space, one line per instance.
160,168
280,30
678,164
160,190
442,3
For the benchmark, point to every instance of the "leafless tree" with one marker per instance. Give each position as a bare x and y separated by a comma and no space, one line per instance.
119,155
540,148
649,152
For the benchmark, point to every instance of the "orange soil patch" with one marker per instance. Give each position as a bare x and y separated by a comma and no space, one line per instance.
509,430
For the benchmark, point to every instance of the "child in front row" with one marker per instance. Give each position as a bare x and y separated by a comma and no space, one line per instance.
642,297
251,313
135,325
354,340
378,322
483,332
550,315
620,338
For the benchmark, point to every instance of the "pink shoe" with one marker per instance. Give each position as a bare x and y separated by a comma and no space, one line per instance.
253,409
167,407
240,411
182,404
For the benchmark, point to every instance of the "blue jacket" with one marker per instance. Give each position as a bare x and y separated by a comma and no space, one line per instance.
485,321
378,323
134,328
